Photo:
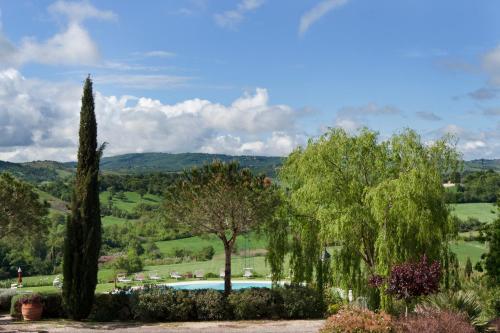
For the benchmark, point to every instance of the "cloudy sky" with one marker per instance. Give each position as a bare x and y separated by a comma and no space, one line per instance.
246,76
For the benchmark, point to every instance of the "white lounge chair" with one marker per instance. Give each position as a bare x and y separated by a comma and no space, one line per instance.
123,278
222,273
139,277
199,274
175,275
247,272
57,282
154,276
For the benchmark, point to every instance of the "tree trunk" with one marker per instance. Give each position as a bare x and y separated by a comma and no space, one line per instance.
227,269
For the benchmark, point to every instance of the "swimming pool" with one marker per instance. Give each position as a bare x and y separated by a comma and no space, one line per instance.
218,285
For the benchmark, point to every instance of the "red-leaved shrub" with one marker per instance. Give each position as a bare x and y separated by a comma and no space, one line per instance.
434,322
355,320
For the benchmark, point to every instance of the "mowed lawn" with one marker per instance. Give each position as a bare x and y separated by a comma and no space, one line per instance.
249,244
132,200
484,212
464,249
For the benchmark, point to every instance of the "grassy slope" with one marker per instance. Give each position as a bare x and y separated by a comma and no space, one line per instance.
484,212
132,200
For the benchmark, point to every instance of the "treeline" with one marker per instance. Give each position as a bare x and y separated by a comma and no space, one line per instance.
479,186
152,183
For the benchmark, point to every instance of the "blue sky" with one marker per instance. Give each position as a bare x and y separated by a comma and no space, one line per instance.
246,76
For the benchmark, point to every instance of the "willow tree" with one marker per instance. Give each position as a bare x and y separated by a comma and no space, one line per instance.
83,231
380,203
221,199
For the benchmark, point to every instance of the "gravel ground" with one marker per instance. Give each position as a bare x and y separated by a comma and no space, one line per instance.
294,326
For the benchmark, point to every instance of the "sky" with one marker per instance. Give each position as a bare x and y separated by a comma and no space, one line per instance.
246,77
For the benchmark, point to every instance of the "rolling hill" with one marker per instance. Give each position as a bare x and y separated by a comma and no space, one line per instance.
39,171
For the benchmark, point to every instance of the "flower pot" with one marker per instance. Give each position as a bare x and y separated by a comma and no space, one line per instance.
32,311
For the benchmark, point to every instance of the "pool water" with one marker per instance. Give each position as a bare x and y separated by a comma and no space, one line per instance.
219,285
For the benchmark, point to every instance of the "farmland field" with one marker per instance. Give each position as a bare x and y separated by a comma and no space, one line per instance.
484,212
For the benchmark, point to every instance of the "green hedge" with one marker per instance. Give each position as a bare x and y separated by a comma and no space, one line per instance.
167,304
52,306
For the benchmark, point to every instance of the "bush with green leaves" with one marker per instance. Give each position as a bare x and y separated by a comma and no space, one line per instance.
131,263
205,253
110,307
52,305
6,298
210,305
301,302
164,304
256,303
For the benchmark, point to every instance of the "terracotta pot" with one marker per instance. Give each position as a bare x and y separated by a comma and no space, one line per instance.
32,311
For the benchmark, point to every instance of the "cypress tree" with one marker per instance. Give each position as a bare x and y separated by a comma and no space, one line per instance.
83,232
468,268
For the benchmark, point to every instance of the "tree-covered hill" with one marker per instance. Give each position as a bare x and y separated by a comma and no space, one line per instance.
482,164
165,162
141,163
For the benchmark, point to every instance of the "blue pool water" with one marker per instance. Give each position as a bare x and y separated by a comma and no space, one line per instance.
219,285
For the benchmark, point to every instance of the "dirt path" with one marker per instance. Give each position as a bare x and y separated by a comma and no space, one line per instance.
295,326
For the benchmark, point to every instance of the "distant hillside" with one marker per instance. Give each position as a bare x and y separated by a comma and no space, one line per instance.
29,172
165,162
483,164
39,171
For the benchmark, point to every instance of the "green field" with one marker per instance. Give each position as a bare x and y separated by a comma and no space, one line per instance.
252,243
132,200
473,250
484,212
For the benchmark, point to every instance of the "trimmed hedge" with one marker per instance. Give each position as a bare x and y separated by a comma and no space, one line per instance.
167,304
256,303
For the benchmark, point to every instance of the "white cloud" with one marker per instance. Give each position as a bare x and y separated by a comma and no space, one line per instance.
278,144
72,46
39,120
79,11
231,18
143,81
473,144
159,54
491,64
353,118
317,12
430,116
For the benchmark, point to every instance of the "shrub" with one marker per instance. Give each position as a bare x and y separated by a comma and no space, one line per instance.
52,305
435,321
355,320
110,307
206,253
131,263
301,302
466,303
211,275
210,305
256,303
6,298
163,304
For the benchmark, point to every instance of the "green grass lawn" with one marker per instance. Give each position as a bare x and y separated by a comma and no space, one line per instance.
131,201
463,249
110,220
484,212
253,243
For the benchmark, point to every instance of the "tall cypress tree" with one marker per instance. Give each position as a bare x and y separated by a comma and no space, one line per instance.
83,233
